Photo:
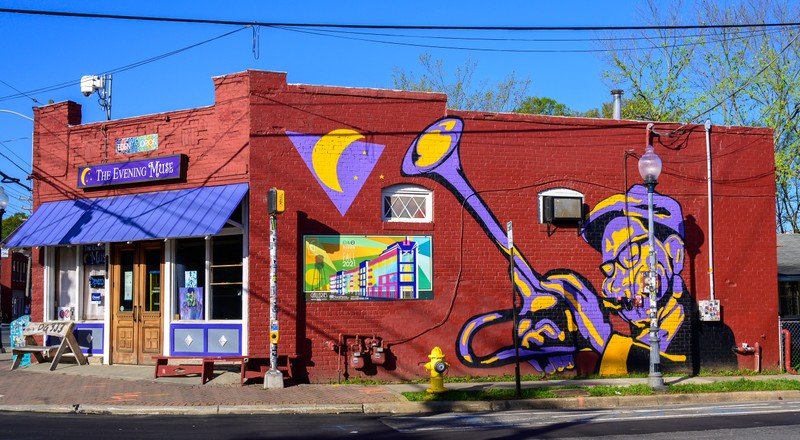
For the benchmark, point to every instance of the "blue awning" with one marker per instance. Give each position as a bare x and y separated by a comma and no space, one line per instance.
166,214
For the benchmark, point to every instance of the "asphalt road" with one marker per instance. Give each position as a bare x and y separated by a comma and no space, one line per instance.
763,421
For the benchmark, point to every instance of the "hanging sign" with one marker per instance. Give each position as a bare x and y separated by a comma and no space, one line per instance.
132,171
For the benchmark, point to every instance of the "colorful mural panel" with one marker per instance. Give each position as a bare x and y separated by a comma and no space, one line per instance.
367,267
137,144
340,161
563,319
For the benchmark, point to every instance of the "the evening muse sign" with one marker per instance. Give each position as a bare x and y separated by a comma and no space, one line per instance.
134,171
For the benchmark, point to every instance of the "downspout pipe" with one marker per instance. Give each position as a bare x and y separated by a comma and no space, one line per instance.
787,350
710,213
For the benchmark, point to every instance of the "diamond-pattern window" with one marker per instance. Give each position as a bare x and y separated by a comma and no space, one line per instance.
407,203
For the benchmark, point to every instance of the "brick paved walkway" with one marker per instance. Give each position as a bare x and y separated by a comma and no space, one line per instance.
97,384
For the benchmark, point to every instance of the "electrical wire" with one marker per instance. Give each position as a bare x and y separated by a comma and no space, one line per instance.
740,88
527,40
2,143
503,50
122,68
403,27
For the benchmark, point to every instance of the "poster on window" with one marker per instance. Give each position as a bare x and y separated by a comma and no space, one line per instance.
367,267
191,302
191,278
128,287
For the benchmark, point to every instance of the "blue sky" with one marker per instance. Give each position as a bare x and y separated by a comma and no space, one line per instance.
40,52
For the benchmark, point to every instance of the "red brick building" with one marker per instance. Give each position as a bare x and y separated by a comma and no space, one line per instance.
13,275
153,233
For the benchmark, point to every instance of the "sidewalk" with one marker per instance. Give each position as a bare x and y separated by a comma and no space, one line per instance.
133,390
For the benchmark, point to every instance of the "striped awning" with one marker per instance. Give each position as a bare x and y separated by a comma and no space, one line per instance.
189,212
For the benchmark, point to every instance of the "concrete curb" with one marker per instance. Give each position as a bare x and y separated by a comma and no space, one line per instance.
292,409
577,402
133,410
417,407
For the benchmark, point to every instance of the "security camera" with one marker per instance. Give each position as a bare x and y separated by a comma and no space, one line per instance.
90,84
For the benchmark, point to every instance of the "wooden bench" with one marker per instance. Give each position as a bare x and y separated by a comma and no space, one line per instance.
67,347
251,366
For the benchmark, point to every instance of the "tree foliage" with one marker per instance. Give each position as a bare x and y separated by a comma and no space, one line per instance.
463,91
544,106
735,76
12,222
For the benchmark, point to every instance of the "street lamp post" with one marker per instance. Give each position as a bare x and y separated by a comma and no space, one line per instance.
650,170
3,206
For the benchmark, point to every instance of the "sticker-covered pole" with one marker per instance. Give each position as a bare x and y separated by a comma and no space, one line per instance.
275,205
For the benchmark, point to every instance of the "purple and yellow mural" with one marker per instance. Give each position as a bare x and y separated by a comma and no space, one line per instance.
563,319
340,161
360,267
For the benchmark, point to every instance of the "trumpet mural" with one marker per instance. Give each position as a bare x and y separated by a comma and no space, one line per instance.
562,314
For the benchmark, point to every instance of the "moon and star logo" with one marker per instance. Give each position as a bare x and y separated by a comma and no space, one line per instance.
340,161
84,173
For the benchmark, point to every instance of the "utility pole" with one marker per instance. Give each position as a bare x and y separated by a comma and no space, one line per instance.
275,205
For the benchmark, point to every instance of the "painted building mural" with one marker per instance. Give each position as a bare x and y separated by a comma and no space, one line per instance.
340,161
563,317
358,267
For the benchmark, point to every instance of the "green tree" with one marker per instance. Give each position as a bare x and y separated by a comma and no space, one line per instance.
463,92
544,106
736,76
12,222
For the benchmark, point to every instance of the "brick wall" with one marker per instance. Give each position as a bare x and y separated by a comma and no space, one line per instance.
508,160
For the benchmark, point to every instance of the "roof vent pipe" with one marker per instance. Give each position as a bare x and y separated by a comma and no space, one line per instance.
617,94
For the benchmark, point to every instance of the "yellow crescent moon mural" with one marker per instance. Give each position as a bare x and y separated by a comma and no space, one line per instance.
327,152
83,175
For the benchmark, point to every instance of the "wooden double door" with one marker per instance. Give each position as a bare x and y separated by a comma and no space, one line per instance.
137,299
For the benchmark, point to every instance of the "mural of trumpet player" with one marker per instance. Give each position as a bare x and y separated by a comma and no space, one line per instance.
562,316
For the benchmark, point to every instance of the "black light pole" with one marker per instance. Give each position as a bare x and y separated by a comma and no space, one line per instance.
3,206
650,169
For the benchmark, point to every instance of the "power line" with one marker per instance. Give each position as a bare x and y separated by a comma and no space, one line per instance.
403,27
122,68
506,39
742,86
328,33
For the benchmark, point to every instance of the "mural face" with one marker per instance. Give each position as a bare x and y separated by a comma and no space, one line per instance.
562,314
375,267
340,161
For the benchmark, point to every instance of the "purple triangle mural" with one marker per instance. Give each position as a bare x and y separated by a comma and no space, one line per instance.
340,161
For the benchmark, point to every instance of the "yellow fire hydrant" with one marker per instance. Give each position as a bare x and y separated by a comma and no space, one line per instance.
437,367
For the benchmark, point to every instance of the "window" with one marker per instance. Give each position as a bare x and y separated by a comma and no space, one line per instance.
407,203
789,298
66,282
215,293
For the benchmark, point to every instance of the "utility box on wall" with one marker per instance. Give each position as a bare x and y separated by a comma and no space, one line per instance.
709,310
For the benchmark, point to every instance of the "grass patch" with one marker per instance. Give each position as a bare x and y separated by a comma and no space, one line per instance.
736,385
633,390
606,390
480,395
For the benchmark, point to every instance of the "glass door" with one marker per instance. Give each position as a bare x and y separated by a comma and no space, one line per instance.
136,291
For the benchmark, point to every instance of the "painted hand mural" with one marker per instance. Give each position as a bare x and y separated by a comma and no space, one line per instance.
562,314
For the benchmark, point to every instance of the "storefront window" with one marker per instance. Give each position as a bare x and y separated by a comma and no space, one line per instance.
94,281
221,296
190,274
66,282
226,277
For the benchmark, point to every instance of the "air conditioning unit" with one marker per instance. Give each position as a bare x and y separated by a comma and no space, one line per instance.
562,209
